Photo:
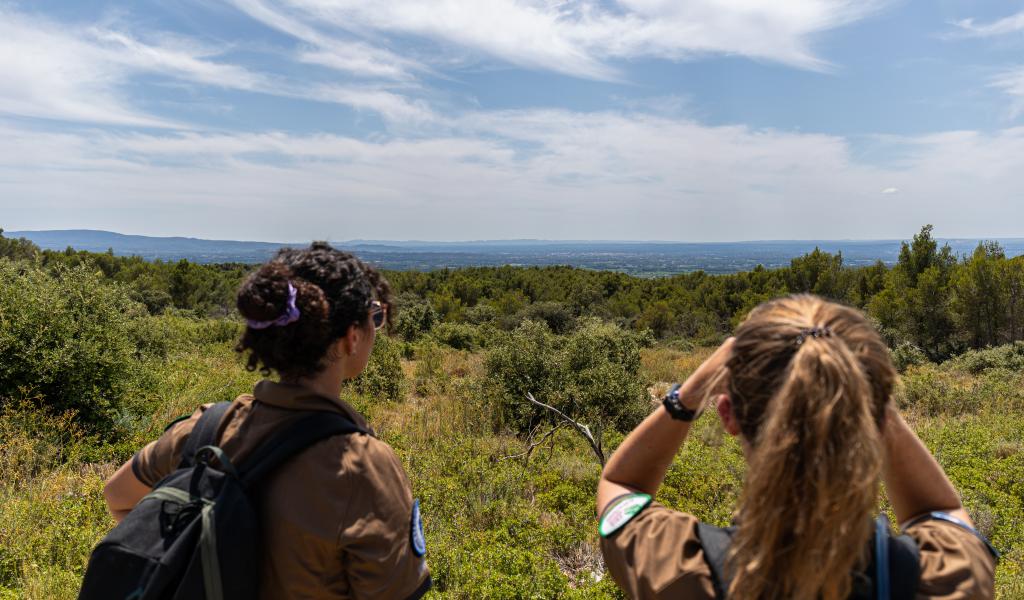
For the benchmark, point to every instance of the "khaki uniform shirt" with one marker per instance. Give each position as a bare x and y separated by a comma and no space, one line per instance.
658,555
337,517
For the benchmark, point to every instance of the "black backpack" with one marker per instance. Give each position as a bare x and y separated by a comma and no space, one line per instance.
196,535
892,574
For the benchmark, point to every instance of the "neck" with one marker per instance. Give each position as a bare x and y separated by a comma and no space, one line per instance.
325,383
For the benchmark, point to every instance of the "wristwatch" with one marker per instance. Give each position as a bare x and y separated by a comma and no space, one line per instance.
675,407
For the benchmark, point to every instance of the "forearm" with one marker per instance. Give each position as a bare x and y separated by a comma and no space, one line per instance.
914,480
642,460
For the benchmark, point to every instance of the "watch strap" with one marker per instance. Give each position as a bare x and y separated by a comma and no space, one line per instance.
675,407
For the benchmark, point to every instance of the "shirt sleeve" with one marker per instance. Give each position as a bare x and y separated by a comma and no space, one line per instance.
658,555
954,562
376,533
161,457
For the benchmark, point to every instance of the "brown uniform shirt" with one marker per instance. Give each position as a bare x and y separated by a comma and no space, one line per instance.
658,555
337,517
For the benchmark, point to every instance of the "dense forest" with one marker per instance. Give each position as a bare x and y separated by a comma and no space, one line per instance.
99,352
930,301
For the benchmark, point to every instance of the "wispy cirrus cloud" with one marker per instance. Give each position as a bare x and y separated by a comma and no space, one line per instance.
1011,82
85,73
343,53
56,71
1007,25
581,38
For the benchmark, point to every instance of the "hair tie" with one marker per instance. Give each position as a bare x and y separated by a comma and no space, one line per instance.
291,313
813,332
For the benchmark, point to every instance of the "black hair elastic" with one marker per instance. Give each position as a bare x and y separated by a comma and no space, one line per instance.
814,332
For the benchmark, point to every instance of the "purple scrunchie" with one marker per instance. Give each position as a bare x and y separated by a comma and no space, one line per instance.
291,313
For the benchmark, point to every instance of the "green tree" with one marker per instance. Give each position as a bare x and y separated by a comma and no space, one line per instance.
818,273
979,295
17,249
183,284
658,317
915,304
1013,279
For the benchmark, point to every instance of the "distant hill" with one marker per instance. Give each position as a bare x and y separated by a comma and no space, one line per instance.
637,257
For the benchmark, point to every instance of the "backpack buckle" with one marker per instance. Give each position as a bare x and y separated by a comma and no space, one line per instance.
174,516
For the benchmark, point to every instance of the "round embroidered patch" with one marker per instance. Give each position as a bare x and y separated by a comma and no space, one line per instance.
621,511
419,543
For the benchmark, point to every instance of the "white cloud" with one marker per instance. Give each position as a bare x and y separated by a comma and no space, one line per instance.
341,53
51,74
80,74
575,37
85,74
1011,82
526,173
1011,24
890,190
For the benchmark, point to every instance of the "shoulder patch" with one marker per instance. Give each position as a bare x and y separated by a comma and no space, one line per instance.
621,511
416,538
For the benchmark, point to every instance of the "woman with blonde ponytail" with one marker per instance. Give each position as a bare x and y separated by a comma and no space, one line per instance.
806,384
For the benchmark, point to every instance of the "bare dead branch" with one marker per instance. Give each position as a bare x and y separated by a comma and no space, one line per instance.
595,444
534,444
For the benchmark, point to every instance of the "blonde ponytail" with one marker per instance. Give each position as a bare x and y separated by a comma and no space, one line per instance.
809,381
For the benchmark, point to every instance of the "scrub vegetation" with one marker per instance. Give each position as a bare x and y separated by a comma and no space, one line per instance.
98,353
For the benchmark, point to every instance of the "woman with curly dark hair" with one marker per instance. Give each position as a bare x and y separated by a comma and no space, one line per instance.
338,519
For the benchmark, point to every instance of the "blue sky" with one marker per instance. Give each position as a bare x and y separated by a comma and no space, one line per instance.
695,120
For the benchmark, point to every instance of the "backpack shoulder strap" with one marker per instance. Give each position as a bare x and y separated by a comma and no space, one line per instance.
298,436
204,433
905,566
897,563
715,542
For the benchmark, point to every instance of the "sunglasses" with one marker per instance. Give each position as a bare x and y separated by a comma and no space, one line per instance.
378,313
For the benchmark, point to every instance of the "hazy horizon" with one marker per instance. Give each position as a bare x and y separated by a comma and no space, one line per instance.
14,233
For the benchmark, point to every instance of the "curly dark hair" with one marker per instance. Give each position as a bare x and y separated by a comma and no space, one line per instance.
334,291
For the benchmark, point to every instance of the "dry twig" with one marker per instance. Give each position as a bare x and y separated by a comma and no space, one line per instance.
595,444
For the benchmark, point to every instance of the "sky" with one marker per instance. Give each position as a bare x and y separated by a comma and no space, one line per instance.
688,120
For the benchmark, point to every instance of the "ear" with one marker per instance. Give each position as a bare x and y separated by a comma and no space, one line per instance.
350,342
729,422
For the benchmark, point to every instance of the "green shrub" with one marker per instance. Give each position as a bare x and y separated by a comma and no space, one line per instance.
429,375
415,317
907,355
461,336
1008,356
67,339
171,332
558,317
592,375
480,314
941,390
383,377
932,391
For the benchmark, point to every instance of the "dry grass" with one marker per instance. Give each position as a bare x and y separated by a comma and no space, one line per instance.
670,365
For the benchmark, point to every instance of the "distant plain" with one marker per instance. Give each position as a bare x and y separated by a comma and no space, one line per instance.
643,258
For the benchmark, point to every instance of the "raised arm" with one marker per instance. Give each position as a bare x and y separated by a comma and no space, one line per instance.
643,458
914,481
